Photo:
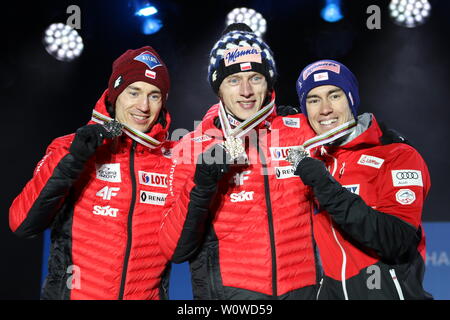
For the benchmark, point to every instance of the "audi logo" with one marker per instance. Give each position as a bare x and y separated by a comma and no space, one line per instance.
407,175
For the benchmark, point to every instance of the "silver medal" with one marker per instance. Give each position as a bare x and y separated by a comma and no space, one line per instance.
296,155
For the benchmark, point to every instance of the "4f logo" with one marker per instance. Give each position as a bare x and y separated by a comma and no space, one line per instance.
239,178
107,193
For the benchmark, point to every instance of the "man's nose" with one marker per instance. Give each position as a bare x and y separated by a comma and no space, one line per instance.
326,107
143,104
246,89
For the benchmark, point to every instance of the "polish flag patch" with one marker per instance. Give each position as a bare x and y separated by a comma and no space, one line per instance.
321,76
150,74
246,66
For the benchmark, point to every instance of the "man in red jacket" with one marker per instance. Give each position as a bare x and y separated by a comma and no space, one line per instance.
101,192
369,202
241,224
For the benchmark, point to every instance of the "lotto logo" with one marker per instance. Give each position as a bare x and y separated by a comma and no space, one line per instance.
153,179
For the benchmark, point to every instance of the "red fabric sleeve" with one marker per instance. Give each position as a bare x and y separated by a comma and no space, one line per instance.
403,185
181,182
22,204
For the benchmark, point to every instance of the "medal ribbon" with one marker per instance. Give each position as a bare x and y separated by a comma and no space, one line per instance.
331,135
134,134
244,127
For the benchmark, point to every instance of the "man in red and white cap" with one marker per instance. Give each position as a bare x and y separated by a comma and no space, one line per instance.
101,191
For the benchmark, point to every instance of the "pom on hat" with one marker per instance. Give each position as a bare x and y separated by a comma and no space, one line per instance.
240,50
328,72
143,64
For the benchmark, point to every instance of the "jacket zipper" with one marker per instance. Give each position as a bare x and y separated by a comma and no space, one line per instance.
344,255
270,221
129,223
211,278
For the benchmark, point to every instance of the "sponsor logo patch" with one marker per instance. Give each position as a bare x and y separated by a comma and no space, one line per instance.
353,188
107,193
326,65
117,82
152,179
291,122
284,172
149,59
155,198
370,161
405,196
108,172
240,55
239,178
402,178
205,137
242,196
106,211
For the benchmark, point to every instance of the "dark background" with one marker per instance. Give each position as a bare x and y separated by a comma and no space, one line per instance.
403,74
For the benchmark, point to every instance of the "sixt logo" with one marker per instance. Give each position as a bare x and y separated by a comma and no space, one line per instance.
106,211
242,196
149,59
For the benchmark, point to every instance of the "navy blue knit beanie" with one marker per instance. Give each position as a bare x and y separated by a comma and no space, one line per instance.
238,50
328,72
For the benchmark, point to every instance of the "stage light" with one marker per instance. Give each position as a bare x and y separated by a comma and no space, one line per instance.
63,42
151,26
146,11
331,12
148,15
409,13
250,17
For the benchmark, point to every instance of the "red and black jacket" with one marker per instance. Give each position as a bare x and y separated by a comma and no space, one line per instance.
255,240
104,216
368,226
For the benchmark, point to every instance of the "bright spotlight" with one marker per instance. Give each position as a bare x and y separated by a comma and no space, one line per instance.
63,42
250,17
148,14
147,11
331,12
409,13
151,26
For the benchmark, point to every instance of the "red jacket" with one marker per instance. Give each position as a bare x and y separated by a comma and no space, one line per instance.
104,218
258,243
391,179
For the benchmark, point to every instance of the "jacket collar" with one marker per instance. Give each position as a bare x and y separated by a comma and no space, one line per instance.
367,132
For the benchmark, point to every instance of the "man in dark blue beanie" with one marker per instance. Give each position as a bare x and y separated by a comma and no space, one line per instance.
328,72
369,195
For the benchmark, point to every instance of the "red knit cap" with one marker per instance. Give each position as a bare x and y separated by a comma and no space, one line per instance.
142,64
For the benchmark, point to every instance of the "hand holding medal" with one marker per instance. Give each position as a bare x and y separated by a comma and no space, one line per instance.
113,128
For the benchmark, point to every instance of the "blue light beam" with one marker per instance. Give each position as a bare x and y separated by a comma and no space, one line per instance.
332,11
